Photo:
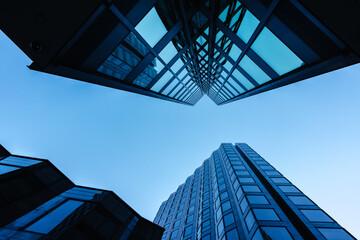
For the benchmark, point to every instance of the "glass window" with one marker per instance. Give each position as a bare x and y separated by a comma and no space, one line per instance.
151,28
277,233
191,209
178,215
174,234
18,161
229,219
335,234
5,169
257,235
243,205
300,200
239,193
279,180
266,214
273,173
226,206
249,220
176,224
246,180
189,219
289,189
316,216
242,79
224,195
257,200
168,52
207,237
251,188
54,218
232,235
243,173
188,230
275,53
254,70
162,81
247,27
220,227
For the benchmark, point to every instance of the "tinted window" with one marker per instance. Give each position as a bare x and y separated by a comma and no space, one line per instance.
279,180
277,233
251,189
52,219
232,235
5,169
289,189
266,214
300,200
316,216
243,205
257,200
229,219
335,234
188,230
249,220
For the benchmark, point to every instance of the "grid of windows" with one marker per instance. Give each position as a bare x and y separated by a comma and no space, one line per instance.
216,203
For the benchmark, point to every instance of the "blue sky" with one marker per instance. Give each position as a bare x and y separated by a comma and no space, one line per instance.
143,148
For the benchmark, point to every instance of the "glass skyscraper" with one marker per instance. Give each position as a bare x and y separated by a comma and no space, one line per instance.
38,202
182,50
236,194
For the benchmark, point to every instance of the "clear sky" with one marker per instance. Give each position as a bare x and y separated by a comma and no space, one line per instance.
142,148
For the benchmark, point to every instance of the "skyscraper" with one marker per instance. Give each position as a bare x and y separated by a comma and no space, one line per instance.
180,50
236,194
39,202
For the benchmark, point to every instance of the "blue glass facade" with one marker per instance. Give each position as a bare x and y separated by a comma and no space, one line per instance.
236,194
39,202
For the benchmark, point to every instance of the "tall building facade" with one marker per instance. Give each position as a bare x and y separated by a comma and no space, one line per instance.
236,194
181,50
38,202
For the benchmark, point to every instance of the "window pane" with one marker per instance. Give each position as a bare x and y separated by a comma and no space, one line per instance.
52,219
5,169
232,235
162,81
279,180
188,230
289,189
254,70
335,234
300,200
247,27
249,220
151,28
266,214
229,219
275,53
316,216
277,233
257,200
251,189
226,206
20,162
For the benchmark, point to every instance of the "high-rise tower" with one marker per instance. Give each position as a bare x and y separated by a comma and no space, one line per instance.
236,194
180,50
39,202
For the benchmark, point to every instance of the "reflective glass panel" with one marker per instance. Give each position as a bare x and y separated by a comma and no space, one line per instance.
335,234
168,52
162,81
257,200
20,162
5,169
151,28
289,189
277,233
254,70
251,189
316,216
275,53
300,200
52,219
248,26
266,214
